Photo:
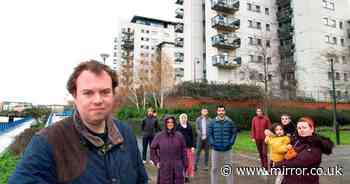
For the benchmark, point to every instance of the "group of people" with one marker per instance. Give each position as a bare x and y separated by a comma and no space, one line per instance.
93,147
173,148
289,146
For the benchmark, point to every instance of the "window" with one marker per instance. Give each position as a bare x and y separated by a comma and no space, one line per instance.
329,22
342,42
268,43
345,77
268,60
252,75
327,39
340,25
258,25
269,77
260,59
329,75
141,38
147,31
338,93
241,75
142,30
250,40
261,77
334,39
268,28
141,46
343,58
267,11
257,8
249,6
337,76
250,22
251,58
258,41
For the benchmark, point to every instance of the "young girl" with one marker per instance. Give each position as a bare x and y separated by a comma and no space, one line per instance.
279,145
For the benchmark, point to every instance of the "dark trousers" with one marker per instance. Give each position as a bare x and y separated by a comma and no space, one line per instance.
146,140
262,149
202,144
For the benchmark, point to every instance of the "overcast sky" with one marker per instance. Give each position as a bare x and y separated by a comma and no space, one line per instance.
42,40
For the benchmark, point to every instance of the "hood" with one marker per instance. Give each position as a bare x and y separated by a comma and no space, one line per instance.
165,124
324,143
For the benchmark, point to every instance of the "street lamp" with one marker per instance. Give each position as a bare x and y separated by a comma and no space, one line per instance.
196,61
104,56
335,122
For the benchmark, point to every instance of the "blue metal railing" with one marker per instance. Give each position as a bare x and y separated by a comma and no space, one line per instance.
9,125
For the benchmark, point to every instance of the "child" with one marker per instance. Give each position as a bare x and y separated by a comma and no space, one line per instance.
279,145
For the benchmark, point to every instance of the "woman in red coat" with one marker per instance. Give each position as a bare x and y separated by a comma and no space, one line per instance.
168,153
309,148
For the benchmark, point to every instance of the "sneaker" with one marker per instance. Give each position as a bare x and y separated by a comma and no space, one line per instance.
187,180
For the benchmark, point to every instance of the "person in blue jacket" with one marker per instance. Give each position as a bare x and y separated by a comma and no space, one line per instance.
89,147
222,134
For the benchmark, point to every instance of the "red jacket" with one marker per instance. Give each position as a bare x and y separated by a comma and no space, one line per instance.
259,125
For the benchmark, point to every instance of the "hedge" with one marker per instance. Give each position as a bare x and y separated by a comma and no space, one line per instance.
224,91
243,115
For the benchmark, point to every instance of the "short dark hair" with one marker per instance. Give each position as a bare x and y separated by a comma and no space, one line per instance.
274,126
220,106
94,67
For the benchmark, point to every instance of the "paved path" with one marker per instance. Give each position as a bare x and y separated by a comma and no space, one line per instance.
340,156
7,138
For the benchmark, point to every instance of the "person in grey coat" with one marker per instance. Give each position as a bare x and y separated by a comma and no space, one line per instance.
202,123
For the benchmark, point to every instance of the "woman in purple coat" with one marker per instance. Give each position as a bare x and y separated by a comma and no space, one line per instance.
168,153
309,148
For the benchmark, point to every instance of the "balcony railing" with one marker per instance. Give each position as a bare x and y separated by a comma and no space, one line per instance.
283,3
225,23
180,2
179,13
227,6
225,61
179,57
179,28
287,50
226,41
179,42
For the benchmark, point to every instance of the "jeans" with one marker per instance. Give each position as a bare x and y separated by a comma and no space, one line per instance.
202,144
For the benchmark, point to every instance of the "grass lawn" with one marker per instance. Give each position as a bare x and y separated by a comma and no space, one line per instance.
244,143
7,165
344,136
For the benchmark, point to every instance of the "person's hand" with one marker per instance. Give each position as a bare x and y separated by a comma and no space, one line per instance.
253,140
268,132
193,149
158,165
289,146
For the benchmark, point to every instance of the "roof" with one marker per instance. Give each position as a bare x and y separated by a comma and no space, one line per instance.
151,20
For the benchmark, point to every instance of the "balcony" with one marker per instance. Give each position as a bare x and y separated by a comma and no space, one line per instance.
285,32
179,2
224,61
127,42
287,65
179,57
179,28
179,42
287,50
226,6
225,23
126,55
283,3
179,13
226,41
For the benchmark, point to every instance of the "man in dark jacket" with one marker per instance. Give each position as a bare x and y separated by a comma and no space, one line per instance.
222,134
90,147
149,127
